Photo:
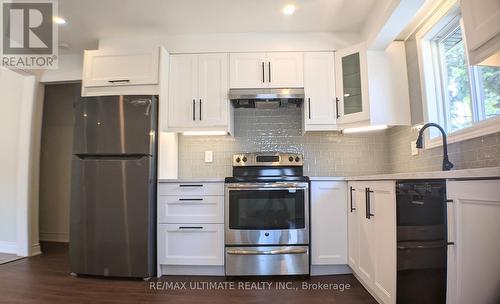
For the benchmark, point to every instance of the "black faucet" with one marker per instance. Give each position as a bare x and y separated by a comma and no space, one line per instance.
447,165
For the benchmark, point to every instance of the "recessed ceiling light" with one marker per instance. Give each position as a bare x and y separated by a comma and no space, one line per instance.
288,9
59,20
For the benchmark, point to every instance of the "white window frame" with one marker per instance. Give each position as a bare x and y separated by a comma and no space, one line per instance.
433,107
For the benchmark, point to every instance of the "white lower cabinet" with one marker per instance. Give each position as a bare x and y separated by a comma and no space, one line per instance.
191,228
328,227
474,229
372,236
191,209
191,244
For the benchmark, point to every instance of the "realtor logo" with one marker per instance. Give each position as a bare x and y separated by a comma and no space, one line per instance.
29,36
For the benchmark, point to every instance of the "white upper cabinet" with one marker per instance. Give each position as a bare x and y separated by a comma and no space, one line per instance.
352,82
108,68
285,70
133,72
320,111
213,90
482,30
266,70
183,91
198,93
328,223
372,86
247,70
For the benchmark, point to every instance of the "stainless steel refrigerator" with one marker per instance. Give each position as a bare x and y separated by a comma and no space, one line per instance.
113,199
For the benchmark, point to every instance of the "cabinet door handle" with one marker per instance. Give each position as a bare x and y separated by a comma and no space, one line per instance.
309,104
263,73
190,199
191,185
450,219
369,214
337,107
119,81
190,227
351,190
200,108
269,71
194,105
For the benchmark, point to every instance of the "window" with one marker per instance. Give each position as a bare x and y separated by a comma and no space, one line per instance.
459,97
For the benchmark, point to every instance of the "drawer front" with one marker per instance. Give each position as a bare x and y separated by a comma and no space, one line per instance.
272,260
191,209
191,244
191,188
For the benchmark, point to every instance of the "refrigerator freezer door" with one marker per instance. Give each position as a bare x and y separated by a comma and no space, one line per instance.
112,225
115,125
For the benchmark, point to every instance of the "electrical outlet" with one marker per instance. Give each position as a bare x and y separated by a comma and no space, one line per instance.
414,150
208,156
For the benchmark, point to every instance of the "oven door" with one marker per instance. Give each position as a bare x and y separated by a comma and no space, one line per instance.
267,213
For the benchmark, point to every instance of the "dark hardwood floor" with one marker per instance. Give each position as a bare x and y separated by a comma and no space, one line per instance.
45,279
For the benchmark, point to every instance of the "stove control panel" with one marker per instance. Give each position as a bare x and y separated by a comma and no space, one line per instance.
268,159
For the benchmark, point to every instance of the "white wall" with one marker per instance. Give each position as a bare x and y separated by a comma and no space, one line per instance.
11,88
244,42
19,120
69,69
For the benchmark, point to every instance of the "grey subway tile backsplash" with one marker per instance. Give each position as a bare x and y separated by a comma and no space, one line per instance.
478,152
325,153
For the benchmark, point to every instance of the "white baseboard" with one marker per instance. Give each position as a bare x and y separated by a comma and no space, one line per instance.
8,247
62,237
190,270
35,249
319,270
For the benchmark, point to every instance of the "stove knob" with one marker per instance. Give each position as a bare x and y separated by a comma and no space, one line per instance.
290,159
244,158
297,159
238,159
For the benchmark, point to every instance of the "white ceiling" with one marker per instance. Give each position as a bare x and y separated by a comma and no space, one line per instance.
90,20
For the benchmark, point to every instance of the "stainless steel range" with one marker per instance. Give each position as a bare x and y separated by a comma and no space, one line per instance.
267,215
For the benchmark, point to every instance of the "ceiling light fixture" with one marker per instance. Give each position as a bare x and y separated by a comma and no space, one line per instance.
59,20
288,9
364,129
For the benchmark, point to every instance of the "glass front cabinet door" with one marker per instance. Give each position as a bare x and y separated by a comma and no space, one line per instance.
351,80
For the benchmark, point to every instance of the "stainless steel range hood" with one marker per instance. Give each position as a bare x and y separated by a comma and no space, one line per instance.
266,98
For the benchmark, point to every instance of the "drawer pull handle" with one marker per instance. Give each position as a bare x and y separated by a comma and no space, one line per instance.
190,199
119,81
190,185
190,227
268,252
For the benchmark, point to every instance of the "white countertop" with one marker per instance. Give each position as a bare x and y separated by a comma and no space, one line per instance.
192,180
493,172
327,178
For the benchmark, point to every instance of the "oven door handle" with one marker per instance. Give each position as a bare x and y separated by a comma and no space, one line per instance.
267,252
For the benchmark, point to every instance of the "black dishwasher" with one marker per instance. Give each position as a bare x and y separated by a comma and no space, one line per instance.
421,242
